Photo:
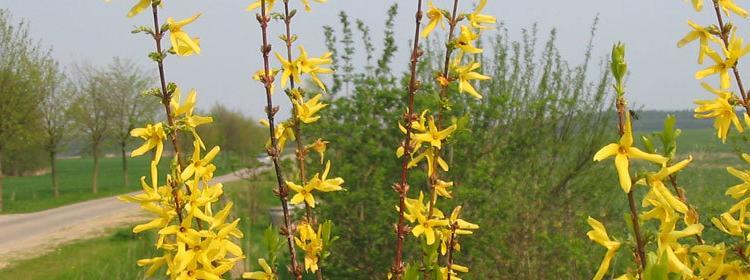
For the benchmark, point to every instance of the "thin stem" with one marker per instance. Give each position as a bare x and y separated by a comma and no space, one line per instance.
724,35
450,250
403,187
273,151
640,254
681,195
166,98
443,98
297,127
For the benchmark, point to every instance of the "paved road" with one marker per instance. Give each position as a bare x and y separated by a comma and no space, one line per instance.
30,234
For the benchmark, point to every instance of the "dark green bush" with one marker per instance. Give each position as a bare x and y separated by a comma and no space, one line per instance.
521,160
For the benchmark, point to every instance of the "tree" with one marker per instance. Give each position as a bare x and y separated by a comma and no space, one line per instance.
55,114
91,111
125,82
19,96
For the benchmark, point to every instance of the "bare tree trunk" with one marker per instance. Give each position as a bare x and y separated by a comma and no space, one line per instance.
1,180
53,167
96,168
124,164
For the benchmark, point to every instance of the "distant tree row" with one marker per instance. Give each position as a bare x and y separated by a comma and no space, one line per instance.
46,110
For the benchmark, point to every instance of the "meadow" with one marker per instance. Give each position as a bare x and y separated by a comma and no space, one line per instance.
24,194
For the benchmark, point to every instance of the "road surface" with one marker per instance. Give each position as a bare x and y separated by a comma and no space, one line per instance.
31,234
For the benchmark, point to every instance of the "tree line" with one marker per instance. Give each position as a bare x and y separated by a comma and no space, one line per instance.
87,110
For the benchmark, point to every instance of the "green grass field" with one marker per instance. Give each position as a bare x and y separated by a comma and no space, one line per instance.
705,180
34,193
114,258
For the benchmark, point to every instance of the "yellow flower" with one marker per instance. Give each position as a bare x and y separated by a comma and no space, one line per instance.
283,133
676,252
721,110
417,126
462,227
323,184
260,73
435,15
154,136
139,7
477,19
741,189
184,232
306,110
703,35
465,40
188,120
256,4
599,235
269,5
154,263
164,216
319,146
434,136
729,5
441,188
623,151
310,242
182,44
444,272
307,4
722,66
697,5
664,202
465,75
304,64
291,70
432,158
311,66
711,264
199,167
266,274
304,193
427,226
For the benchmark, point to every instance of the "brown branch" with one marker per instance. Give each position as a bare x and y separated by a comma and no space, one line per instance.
443,98
166,98
403,187
450,249
682,197
274,151
640,255
297,127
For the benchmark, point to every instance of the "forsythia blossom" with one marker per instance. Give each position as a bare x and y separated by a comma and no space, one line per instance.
720,109
623,151
599,235
182,43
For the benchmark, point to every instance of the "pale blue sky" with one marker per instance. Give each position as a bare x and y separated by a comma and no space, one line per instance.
94,31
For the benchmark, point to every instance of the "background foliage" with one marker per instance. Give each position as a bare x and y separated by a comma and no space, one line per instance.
524,172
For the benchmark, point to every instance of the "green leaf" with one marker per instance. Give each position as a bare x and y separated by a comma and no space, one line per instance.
648,144
656,270
411,272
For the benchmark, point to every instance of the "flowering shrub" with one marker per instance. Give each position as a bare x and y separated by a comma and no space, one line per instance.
676,249
425,136
312,237
195,241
